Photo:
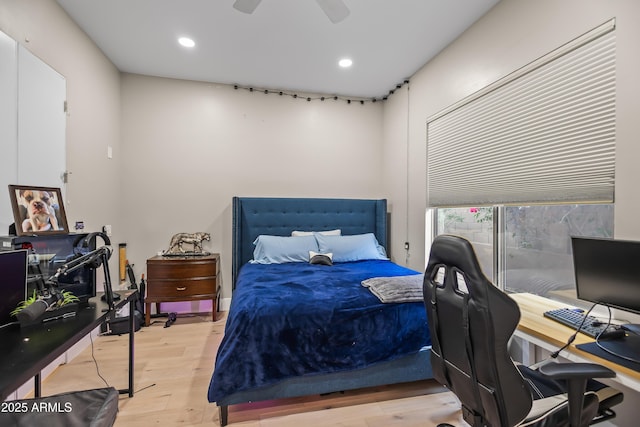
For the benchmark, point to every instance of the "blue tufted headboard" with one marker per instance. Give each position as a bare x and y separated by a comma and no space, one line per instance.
253,216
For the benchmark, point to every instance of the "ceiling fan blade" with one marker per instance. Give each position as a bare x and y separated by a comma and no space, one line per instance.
246,6
335,10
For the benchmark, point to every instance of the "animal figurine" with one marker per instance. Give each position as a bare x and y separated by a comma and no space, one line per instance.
195,239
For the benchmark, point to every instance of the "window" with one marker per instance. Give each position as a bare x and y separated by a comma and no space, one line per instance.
525,163
537,250
532,244
475,225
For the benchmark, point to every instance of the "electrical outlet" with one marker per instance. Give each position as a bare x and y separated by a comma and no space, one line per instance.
107,230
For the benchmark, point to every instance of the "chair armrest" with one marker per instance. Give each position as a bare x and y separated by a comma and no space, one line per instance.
576,375
569,371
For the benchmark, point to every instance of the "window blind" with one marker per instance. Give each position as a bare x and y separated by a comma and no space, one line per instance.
543,134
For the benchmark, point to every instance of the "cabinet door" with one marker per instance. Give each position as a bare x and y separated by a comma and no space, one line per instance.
41,122
8,126
32,123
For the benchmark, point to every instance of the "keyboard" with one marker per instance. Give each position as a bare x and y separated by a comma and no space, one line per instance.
573,319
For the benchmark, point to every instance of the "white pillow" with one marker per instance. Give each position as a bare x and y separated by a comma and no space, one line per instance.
335,232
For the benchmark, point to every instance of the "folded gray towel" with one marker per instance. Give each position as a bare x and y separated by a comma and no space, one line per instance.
396,289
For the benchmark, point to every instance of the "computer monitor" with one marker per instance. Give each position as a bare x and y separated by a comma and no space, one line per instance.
13,283
607,272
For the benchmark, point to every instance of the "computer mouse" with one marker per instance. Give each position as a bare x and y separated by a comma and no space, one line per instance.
612,334
633,328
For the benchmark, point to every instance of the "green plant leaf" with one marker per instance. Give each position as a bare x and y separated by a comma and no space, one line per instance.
22,305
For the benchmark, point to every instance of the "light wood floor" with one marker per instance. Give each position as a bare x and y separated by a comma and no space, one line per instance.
172,371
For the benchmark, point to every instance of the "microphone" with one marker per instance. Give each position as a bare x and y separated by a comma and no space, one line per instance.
37,308
91,259
94,259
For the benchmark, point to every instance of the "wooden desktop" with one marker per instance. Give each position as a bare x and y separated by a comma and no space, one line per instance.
539,331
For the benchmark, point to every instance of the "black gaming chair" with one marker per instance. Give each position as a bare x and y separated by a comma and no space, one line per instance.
471,322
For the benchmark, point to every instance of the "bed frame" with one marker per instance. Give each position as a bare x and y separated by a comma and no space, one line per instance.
280,216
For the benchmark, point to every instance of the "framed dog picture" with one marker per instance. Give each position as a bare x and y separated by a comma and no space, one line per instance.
38,210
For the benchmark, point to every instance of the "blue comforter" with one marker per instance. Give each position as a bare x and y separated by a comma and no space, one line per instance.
299,319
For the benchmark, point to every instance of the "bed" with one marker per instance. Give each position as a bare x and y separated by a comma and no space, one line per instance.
297,328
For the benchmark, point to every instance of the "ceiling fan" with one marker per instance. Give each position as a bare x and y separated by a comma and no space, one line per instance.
335,10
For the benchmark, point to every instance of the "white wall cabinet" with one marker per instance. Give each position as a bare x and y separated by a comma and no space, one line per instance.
32,123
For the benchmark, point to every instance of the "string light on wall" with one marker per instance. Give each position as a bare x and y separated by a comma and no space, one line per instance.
294,95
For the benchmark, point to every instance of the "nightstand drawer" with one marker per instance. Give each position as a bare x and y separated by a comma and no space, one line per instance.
181,270
200,286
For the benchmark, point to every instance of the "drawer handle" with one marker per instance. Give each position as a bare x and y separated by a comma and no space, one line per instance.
181,289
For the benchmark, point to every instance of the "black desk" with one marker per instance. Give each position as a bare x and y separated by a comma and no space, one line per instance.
26,351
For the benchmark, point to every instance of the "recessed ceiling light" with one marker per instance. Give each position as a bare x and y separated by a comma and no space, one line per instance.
345,63
186,42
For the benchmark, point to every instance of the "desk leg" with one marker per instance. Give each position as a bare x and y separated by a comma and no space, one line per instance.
37,386
526,353
131,349
132,331
147,313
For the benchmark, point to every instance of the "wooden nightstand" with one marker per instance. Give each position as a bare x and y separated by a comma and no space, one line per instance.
171,279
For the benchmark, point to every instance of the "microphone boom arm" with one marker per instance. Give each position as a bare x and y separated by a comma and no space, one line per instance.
88,258
93,259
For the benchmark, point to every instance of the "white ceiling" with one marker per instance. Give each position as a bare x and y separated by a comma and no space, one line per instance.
285,44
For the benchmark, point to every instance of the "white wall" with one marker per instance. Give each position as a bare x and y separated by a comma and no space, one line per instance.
512,34
93,98
189,147
398,177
